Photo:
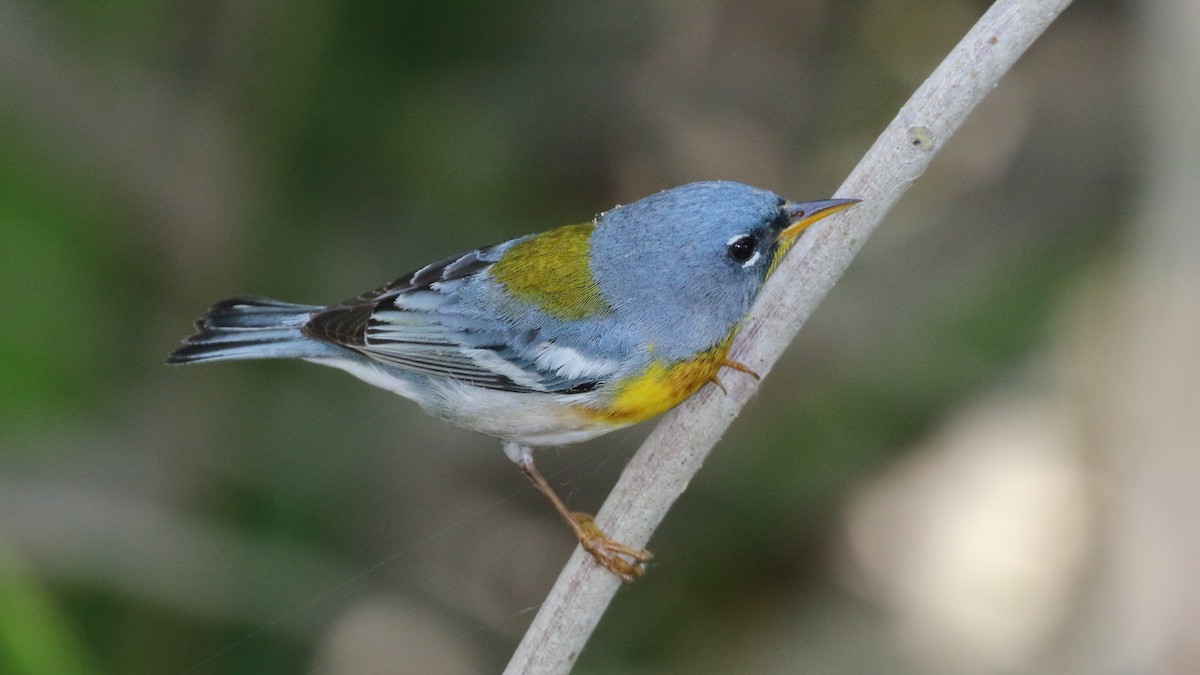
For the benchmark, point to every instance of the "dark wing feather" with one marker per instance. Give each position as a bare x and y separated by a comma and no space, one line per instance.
346,322
425,340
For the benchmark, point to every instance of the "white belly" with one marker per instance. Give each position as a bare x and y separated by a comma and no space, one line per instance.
526,418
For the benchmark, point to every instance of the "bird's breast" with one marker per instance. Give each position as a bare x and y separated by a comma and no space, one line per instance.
658,388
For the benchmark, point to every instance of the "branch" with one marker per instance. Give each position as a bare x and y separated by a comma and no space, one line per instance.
673,453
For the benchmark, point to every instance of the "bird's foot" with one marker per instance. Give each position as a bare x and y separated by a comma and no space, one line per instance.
736,365
740,367
626,562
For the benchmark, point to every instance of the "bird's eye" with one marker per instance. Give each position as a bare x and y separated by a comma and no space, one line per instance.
742,247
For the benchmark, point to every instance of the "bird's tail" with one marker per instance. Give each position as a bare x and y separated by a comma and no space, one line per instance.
251,328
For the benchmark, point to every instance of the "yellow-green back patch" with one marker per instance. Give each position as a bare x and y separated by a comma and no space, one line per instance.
550,270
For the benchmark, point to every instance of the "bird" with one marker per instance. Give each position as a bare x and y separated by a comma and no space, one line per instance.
551,338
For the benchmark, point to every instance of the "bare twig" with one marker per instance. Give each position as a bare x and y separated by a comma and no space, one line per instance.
673,453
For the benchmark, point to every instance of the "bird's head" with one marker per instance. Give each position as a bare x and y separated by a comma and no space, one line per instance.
693,258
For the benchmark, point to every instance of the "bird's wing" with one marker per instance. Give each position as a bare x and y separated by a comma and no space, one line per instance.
426,323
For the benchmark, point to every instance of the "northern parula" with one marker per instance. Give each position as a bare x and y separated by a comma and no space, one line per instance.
550,338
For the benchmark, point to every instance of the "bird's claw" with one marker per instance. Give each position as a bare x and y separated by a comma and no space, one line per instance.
626,562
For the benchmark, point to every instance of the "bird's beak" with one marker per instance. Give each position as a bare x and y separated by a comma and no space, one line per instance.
801,215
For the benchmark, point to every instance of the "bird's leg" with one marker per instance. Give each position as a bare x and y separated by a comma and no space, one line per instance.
626,562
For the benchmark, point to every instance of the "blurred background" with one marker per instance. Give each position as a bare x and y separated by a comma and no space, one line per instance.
979,457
